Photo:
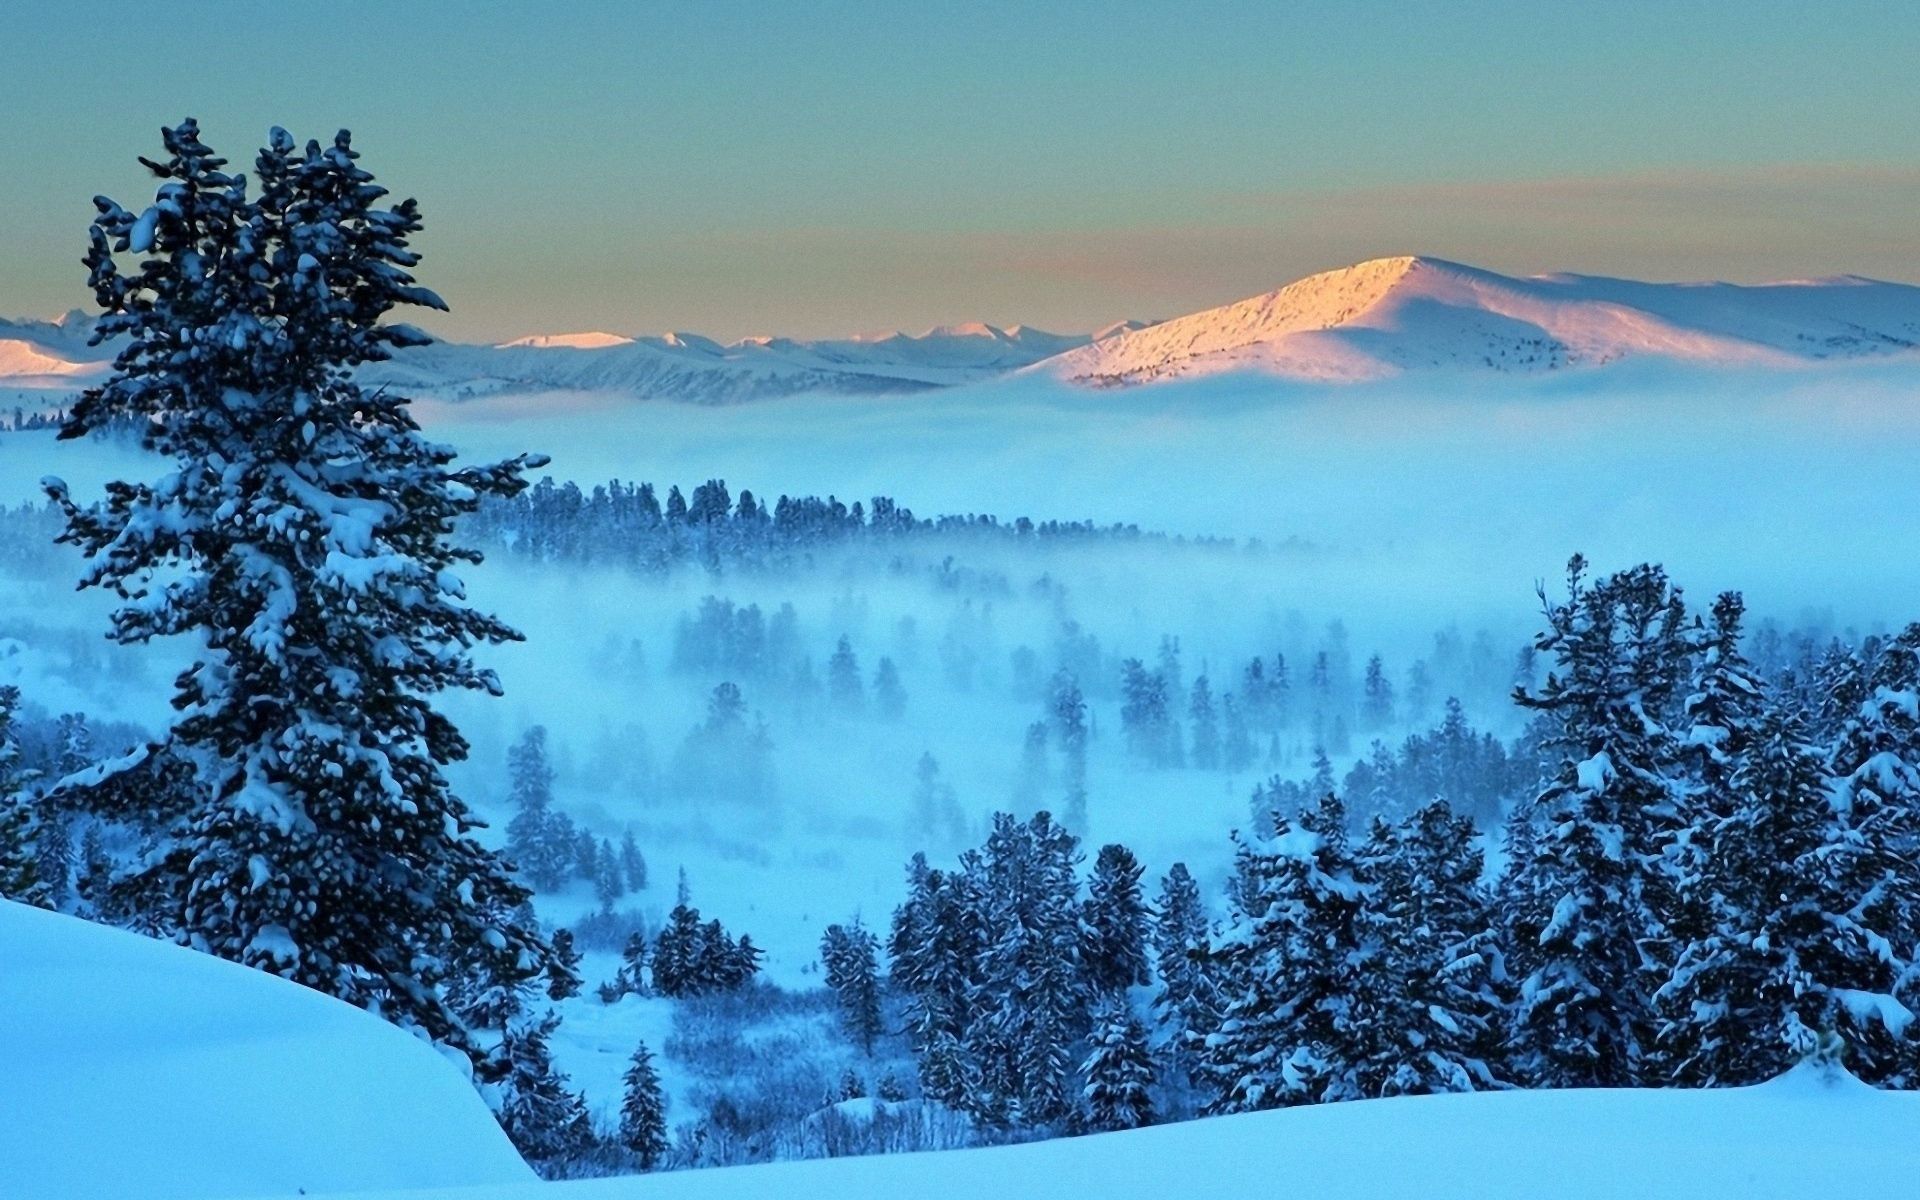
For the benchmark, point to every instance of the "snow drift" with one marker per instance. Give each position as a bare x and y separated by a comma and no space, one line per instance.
140,1069
1801,1135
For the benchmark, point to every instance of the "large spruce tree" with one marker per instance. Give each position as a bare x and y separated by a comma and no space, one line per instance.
301,537
1593,939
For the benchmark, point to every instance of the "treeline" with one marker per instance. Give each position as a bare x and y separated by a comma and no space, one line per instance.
630,525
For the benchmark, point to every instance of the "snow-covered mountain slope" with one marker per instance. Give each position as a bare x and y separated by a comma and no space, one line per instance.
1377,319
49,354
141,1070
1796,1137
683,366
1393,315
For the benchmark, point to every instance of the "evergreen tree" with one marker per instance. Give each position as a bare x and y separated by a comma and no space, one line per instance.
936,809
1185,1003
1028,1004
303,537
934,950
1114,919
643,1110
889,698
633,863
1285,965
1872,843
541,840
1376,702
609,877
1068,716
19,865
843,679
1594,941
563,967
1206,728
849,954
1423,1012
1118,1071
1236,748
546,1119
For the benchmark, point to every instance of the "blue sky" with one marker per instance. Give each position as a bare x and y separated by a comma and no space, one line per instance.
824,168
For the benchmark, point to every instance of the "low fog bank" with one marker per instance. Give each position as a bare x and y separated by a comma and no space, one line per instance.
1792,485
1409,523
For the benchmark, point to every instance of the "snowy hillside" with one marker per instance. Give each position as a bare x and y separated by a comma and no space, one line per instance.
47,355
139,1069
1376,319
1798,1136
684,366
1394,315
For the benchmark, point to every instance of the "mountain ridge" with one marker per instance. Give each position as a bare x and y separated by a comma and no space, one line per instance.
1380,318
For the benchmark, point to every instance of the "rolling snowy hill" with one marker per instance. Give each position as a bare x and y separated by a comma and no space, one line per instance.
139,1069
1798,1136
1394,315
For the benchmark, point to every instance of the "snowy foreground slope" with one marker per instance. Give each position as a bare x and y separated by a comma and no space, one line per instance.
1799,1136
137,1069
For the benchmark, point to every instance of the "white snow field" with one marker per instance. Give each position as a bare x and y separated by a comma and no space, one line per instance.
140,1070
144,1071
1799,1136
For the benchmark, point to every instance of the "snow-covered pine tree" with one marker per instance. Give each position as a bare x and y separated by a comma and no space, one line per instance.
1206,726
546,1120
1376,699
1114,920
1744,1002
934,948
1867,966
609,877
1424,1012
848,694
19,864
1185,1002
1284,965
1067,713
849,955
643,1110
633,863
889,697
302,537
563,967
541,840
1028,1004
1593,943
1118,1070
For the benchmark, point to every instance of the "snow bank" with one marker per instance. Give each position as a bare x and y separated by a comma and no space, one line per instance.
135,1069
1796,1137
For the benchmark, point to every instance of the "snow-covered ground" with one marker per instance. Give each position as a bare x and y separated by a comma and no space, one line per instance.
137,1070
134,1069
1797,1137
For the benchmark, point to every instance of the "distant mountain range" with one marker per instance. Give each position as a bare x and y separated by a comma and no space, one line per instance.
1381,318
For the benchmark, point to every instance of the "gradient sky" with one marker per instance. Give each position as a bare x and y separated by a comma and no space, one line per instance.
823,168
